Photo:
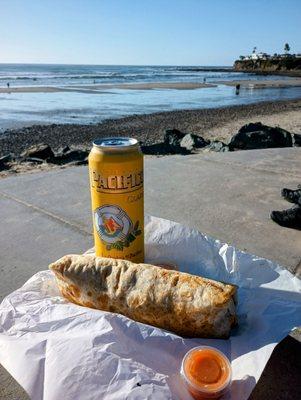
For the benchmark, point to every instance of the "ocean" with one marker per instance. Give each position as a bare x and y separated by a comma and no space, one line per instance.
95,105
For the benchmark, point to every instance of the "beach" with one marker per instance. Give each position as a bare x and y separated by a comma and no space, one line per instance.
71,106
218,123
263,83
245,83
95,88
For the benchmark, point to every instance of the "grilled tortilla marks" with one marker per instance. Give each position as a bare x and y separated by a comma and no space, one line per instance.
186,304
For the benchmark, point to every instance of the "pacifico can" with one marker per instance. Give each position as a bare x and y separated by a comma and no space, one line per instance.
116,182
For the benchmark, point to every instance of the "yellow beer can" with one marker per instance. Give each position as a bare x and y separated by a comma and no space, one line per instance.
116,183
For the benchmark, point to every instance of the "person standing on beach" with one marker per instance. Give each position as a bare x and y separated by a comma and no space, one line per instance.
7,85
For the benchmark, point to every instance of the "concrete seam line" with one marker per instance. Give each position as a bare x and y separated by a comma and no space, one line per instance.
49,214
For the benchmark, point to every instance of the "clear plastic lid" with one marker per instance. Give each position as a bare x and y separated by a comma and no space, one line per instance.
206,390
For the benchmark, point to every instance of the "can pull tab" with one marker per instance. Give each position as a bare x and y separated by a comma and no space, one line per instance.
122,142
114,142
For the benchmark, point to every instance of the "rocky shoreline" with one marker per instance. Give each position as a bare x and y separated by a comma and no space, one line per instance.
178,132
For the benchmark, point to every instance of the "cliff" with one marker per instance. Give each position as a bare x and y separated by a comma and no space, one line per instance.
290,65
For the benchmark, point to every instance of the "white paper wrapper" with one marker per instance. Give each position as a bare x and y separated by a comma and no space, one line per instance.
58,350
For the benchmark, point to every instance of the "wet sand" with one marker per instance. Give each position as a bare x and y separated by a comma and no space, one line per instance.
155,85
102,88
260,84
50,89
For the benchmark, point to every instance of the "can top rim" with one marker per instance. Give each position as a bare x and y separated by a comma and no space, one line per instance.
115,143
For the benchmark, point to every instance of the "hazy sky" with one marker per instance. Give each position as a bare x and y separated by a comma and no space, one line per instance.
168,32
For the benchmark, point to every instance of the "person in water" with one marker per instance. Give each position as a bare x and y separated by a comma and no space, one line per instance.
237,87
290,218
7,85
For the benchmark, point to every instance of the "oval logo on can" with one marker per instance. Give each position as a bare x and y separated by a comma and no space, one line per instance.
112,224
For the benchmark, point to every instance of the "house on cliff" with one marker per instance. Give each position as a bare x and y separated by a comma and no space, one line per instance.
257,56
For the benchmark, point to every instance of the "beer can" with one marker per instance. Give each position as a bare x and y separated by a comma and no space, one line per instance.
116,183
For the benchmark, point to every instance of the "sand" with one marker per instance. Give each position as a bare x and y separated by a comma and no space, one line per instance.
97,89
289,120
156,85
103,88
260,84
49,89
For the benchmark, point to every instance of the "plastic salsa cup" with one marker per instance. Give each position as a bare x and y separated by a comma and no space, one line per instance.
206,372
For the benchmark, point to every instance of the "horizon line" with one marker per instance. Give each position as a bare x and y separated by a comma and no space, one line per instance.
112,65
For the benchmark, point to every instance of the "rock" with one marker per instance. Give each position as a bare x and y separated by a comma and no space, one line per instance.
65,149
76,163
42,151
155,149
296,140
259,136
4,160
32,160
217,146
191,142
173,137
70,156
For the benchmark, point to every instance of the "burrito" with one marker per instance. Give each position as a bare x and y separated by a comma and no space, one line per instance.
186,304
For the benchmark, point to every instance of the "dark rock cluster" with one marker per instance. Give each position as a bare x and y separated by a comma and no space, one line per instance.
42,153
249,137
258,136
175,142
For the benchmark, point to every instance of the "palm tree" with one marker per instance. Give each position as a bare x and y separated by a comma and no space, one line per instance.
241,57
286,48
254,49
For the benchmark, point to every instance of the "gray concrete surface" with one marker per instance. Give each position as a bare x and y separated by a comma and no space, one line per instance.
226,195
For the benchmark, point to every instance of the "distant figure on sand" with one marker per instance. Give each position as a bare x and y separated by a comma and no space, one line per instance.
237,87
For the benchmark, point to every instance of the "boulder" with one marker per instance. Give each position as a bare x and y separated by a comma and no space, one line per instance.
173,137
191,142
42,151
155,149
65,149
70,156
296,140
4,160
79,162
259,136
217,146
32,160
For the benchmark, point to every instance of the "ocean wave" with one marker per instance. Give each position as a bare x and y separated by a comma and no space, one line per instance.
112,75
49,77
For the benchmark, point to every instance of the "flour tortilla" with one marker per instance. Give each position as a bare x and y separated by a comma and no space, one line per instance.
182,303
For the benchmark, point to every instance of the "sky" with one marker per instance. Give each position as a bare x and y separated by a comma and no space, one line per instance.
145,32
